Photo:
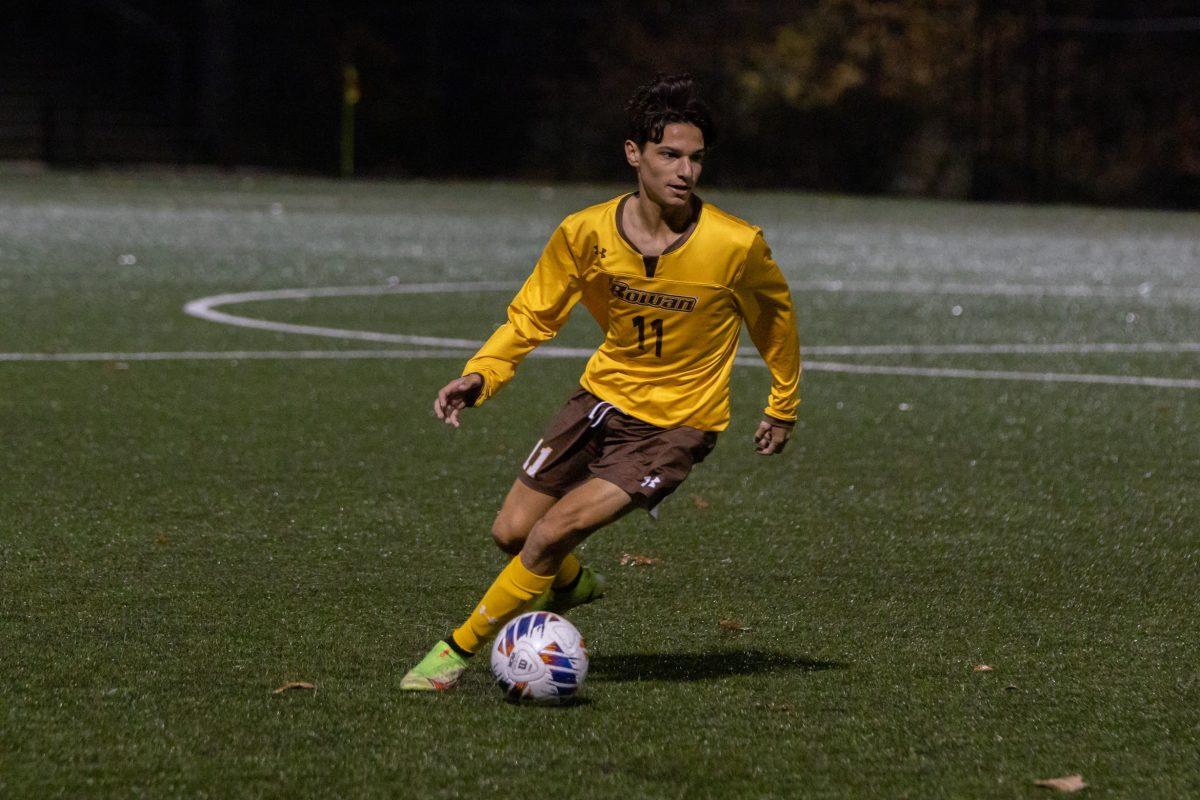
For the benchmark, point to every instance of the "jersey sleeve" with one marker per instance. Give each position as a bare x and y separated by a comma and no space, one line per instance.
765,304
534,316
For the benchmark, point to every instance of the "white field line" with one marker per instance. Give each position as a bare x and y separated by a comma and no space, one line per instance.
1003,375
563,352
233,355
1145,291
1064,348
205,308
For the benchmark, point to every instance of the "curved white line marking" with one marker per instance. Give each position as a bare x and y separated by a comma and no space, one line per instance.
205,308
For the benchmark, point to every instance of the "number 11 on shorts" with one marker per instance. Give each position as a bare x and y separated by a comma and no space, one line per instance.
536,459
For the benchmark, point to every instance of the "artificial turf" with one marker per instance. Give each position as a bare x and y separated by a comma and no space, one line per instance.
179,538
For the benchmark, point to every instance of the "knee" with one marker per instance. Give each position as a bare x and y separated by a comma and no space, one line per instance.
556,532
508,537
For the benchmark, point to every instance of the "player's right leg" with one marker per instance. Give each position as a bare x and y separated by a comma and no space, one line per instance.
443,666
554,468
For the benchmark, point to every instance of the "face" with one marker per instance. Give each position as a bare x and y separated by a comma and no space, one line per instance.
669,170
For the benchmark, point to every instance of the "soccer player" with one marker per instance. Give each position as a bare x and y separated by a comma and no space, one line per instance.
670,280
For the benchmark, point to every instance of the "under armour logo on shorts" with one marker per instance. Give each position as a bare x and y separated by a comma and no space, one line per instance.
651,483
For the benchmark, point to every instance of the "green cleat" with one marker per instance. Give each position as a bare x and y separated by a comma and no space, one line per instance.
438,671
590,586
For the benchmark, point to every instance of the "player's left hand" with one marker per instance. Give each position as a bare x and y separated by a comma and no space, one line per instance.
771,437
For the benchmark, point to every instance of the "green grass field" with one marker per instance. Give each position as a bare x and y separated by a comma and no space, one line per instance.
179,537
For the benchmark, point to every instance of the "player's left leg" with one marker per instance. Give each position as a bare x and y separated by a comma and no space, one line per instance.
557,464
574,584
572,519
581,511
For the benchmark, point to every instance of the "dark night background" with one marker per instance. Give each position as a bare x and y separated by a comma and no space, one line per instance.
1084,101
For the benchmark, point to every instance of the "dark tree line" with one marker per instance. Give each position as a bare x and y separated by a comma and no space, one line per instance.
1080,100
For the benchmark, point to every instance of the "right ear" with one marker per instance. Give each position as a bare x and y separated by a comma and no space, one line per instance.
633,153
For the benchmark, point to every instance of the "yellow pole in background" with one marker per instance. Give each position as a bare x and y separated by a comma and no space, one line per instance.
351,94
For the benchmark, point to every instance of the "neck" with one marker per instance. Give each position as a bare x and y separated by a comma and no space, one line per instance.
654,217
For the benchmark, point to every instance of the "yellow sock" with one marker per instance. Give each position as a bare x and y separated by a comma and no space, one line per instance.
568,572
509,594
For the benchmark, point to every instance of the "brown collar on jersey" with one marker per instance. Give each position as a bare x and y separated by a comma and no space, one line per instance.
651,262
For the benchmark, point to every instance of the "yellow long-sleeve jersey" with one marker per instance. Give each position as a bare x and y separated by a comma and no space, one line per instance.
670,324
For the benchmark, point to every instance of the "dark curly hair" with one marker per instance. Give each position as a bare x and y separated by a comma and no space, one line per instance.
667,99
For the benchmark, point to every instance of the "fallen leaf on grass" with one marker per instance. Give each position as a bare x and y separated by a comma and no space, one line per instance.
700,502
1012,687
287,687
729,624
1067,783
634,560
982,668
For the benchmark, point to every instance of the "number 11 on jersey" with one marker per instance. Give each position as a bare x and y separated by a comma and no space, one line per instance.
656,325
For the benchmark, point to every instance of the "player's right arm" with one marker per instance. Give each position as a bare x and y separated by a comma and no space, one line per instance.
535,315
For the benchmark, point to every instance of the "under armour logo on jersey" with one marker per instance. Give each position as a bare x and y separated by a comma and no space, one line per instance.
651,482
598,251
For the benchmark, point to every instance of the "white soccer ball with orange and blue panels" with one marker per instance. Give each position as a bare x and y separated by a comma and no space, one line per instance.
540,657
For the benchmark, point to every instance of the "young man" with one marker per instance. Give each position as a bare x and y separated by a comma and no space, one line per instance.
670,280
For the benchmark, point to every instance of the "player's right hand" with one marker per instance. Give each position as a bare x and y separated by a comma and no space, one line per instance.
455,396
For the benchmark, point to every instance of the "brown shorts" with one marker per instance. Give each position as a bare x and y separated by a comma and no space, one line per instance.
590,437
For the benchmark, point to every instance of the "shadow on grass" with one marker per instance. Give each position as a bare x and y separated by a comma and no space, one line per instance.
698,666
570,702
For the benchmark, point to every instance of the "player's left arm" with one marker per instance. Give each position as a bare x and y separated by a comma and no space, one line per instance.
765,303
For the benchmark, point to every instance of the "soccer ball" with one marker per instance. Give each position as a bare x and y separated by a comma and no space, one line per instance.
540,657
